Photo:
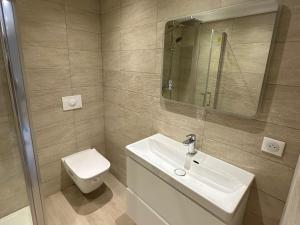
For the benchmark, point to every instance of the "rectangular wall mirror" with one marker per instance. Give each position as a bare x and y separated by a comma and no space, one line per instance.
218,59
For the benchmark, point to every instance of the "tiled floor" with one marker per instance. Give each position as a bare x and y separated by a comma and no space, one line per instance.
107,206
20,217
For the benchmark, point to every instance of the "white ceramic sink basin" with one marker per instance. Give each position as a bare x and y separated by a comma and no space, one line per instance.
214,184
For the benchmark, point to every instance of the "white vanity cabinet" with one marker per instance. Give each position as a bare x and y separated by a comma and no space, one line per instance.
152,201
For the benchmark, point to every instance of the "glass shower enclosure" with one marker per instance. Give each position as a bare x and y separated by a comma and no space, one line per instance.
20,194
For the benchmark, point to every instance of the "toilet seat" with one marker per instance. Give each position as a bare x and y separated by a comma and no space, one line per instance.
86,164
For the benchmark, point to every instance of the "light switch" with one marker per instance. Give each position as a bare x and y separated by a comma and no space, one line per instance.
71,102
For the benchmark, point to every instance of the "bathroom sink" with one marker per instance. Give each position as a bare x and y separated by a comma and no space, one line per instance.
212,183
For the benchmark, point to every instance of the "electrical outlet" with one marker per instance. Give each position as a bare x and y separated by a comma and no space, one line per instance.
273,146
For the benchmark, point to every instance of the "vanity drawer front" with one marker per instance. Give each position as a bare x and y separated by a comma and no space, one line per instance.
140,212
170,204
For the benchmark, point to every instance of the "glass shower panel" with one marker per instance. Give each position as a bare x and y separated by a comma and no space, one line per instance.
14,202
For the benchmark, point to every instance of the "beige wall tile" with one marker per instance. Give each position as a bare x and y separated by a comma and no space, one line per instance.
111,21
280,106
87,129
43,35
140,13
270,177
40,79
142,37
41,57
82,20
87,5
109,5
54,134
90,110
42,12
84,77
168,9
133,81
111,60
54,153
111,41
138,60
89,94
81,40
40,118
264,206
47,99
288,29
84,59
249,136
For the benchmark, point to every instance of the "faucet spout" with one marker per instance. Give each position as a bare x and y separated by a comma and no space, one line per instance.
190,143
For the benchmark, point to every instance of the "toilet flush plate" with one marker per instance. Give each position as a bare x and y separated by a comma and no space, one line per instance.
72,102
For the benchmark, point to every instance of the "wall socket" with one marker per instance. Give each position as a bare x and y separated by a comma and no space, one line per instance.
273,146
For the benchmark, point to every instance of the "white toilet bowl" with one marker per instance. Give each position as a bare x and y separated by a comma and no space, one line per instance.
87,169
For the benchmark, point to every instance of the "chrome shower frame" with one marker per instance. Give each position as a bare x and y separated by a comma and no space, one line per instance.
13,63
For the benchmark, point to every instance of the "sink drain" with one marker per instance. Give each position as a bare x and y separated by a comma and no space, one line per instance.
180,172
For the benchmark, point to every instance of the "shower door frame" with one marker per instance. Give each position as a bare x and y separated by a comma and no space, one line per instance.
13,63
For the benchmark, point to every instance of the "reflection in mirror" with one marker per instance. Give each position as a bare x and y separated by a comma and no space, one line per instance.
220,64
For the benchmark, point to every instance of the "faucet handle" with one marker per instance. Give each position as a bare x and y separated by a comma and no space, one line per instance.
191,137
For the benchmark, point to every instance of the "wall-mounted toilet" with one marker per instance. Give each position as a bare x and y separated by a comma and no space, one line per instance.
87,169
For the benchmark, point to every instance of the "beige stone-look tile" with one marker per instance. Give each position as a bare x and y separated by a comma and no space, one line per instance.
288,28
139,61
270,177
93,127
9,205
84,77
109,5
249,136
41,11
50,171
130,100
89,94
42,57
111,60
141,37
83,59
82,40
111,41
44,35
129,123
92,142
47,99
286,56
140,13
54,153
175,132
80,209
111,21
10,187
87,5
40,118
252,219
128,2
266,207
40,79
168,9
145,83
82,20
280,106
284,77
89,110
160,33
56,134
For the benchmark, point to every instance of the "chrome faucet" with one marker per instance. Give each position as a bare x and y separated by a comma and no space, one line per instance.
190,143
